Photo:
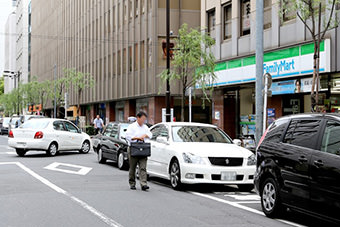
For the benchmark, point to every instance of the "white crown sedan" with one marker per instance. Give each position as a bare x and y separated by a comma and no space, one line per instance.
194,153
50,135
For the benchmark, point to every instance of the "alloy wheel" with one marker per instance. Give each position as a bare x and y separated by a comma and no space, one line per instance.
85,148
120,160
174,175
269,196
53,149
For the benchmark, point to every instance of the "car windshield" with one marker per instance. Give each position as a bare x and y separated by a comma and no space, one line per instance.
35,124
123,128
14,120
199,134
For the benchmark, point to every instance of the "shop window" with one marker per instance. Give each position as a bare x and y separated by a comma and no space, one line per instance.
245,17
227,12
288,15
211,21
267,14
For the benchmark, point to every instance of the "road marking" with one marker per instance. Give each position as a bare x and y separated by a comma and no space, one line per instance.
238,205
11,152
83,204
57,166
245,197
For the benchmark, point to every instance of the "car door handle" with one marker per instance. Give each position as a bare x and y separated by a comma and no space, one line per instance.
318,163
302,159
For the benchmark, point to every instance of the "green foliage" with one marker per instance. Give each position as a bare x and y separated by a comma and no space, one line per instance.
2,85
79,81
193,63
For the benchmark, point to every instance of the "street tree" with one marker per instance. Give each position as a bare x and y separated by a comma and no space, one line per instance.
318,16
62,85
192,63
2,86
80,81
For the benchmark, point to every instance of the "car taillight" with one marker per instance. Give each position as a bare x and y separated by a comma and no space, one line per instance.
10,134
262,138
39,135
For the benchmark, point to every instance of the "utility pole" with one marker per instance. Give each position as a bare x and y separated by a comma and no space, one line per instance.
259,70
55,92
167,93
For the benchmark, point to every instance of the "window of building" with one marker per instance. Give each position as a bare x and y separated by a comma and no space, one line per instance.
302,133
288,15
136,56
227,21
130,59
130,10
114,64
124,60
245,17
114,18
143,6
267,14
142,55
118,63
149,52
136,8
149,5
331,138
211,20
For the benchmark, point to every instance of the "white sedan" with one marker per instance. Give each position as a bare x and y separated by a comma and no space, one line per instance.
194,153
50,135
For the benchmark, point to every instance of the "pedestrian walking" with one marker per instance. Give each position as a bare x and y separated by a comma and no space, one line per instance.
98,124
138,132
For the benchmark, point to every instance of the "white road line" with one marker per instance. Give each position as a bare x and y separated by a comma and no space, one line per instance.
238,205
240,202
82,170
86,206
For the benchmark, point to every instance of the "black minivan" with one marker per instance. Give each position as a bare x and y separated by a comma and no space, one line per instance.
298,166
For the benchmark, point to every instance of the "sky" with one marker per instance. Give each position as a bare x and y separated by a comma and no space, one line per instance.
5,9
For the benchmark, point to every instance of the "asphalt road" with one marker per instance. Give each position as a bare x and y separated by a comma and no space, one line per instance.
72,189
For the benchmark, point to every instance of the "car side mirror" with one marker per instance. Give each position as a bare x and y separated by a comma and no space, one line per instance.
237,142
162,139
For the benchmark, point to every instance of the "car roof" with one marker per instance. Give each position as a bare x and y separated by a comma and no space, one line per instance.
312,115
187,124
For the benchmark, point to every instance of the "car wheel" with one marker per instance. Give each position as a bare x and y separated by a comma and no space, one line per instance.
270,198
175,175
101,159
52,149
122,164
85,147
245,187
20,152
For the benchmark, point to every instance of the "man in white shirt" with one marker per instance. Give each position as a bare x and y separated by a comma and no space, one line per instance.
138,131
98,124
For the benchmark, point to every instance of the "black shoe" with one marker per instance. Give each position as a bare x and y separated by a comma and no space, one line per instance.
145,187
133,187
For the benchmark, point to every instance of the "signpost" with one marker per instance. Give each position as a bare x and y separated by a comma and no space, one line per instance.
267,80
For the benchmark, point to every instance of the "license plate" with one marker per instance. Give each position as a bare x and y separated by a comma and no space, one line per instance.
21,143
228,176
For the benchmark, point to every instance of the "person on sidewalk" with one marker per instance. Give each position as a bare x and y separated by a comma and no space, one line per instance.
98,124
138,131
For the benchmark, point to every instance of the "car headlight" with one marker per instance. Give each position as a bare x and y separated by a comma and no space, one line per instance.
251,160
194,159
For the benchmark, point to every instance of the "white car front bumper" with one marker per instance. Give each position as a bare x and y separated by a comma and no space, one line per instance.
209,174
28,144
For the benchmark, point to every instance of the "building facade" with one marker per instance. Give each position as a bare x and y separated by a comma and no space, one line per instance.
21,12
288,58
10,51
120,43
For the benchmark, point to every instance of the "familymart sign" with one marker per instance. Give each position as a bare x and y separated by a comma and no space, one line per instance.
293,61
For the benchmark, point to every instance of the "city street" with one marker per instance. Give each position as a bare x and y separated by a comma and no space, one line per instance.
74,190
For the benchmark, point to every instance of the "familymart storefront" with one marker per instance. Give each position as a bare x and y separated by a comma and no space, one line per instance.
291,69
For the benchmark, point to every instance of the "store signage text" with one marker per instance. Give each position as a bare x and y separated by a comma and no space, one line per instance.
279,66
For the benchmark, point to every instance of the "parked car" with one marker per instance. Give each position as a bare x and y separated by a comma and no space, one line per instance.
50,135
25,118
5,125
14,122
112,144
298,166
194,153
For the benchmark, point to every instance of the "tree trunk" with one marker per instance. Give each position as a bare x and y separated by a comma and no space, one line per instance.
183,104
312,95
78,108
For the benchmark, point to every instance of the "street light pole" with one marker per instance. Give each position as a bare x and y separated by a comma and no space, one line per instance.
18,77
167,98
259,70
